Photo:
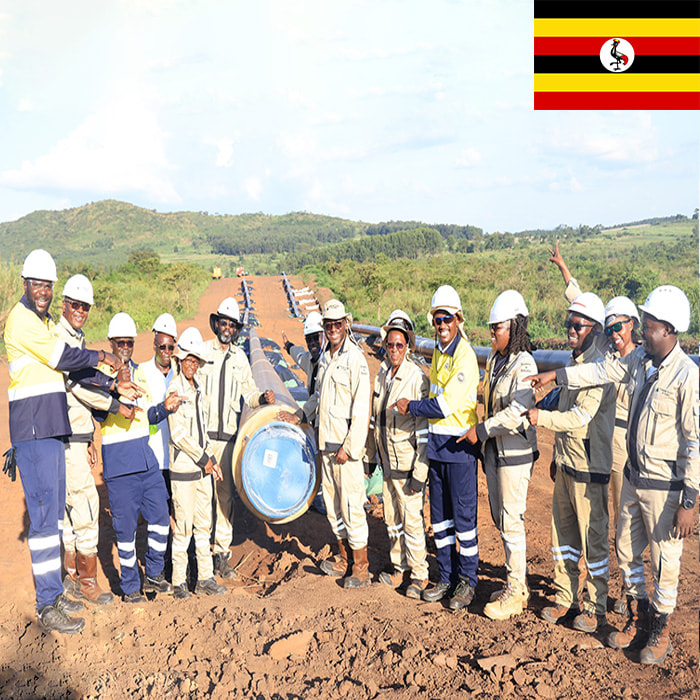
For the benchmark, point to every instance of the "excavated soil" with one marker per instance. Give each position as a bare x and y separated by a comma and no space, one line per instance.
284,630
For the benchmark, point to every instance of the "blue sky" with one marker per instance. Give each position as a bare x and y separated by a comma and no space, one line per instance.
371,110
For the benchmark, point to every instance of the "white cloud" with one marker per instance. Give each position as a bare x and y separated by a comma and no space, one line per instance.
252,186
468,158
224,155
117,149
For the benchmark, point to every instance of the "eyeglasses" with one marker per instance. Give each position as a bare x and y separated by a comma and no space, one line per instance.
439,320
166,346
616,327
332,325
499,326
190,360
396,346
78,305
124,343
577,326
227,322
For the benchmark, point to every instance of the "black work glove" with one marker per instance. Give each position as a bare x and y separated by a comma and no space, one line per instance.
10,466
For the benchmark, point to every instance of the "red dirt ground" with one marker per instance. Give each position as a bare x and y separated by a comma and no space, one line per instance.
284,630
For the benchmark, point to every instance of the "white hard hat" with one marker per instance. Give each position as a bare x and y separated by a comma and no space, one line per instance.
621,306
39,265
670,304
589,305
313,323
191,343
165,323
447,299
79,287
399,321
228,308
508,305
121,326
334,310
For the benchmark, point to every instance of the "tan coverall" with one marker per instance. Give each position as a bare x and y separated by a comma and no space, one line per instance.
227,384
190,451
343,407
509,444
663,467
583,456
400,443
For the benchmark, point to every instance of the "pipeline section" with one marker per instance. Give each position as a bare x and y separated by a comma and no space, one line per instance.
275,464
289,293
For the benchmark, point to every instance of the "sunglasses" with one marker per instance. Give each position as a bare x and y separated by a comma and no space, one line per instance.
577,326
616,327
332,325
78,305
124,343
228,323
499,326
166,346
396,346
439,320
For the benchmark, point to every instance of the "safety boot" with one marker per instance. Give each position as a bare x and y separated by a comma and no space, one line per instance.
416,588
360,570
589,622
510,601
394,578
71,583
557,612
157,584
339,565
462,596
222,568
634,634
658,645
54,618
437,592
89,589
209,586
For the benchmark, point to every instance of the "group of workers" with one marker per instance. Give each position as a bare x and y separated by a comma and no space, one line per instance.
624,413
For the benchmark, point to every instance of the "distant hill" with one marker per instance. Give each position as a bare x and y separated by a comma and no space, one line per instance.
105,232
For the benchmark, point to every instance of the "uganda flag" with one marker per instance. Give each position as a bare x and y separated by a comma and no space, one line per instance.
617,54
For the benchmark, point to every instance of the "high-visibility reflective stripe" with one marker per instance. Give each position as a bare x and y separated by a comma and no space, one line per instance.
444,541
566,548
447,430
56,354
583,415
41,568
414,540
27,392
466,535
130,562
424,431
469,551
21,363
124,436
127,546
159,529
394,528
37,544
436,390
443,525
422,441
444,406
155,544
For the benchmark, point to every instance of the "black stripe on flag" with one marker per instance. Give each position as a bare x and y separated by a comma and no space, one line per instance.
641,64
624,9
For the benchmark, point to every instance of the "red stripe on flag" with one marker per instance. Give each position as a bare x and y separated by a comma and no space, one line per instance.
617,100
643,45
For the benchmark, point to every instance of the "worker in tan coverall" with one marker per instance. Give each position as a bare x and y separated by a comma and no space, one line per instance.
228,383
400,444
581,471
342,392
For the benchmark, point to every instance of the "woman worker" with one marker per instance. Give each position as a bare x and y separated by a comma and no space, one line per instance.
399,443
508,443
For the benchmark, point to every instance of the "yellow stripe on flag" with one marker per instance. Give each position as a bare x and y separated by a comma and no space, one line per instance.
617,27
617,82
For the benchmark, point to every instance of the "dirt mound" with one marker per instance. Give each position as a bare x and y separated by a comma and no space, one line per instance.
283,630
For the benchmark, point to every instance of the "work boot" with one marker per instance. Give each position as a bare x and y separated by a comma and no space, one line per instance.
522,590
360,570
658,646
462,596
222,567
209,586
589,622
157,584
436,592
509,602
416,588
134,598
89,589
180,592
338,566
394,578
620,607
555,613
634,634
53,618
71,583
67,605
